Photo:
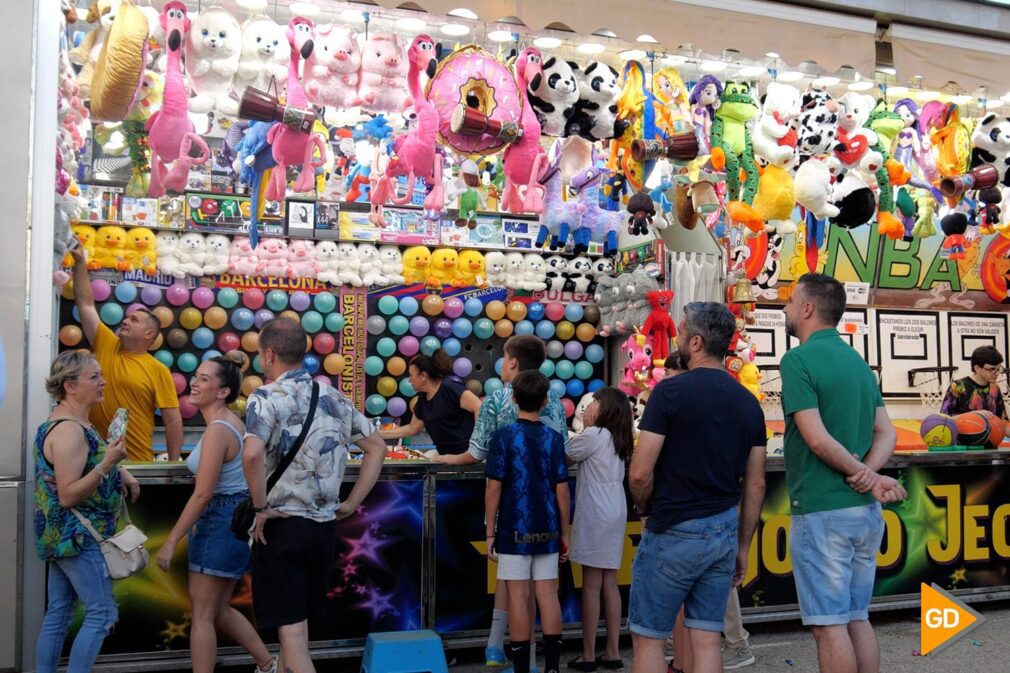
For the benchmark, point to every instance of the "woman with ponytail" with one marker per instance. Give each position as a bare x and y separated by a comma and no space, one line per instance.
444,407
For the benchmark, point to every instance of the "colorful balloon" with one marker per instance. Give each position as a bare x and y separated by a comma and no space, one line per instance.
312,322
373,365
256,364
594,353
310,363
396,407
375,325
334,363
473,307
263,316
574,312
112,314
277,300
452,346
227,297
453,308
126,292
208,354
462,328
71,335
575,388
203,297
186,408
176,294
498,364
544,329
386,386
396,365
495,310
419,326
228,341
585,332
565,330
555,349
215,317
409,346
408,306
547,368
385,347
190,318
516,311
335,322
158,341
462,367
555,311
150,295
524,327
583,370
429,345
179,381
324,302
483,328
493,385
573,350
443,328
474,386
592,314
503,328
242,319
375,404
398,325
176,338
432,305
300,300
558,388
288,314
253,298
187,362
388,305
535,311
250,342
564,369
165,358
324,343
250,384
202,338
101,290
406,389
595,385
569,407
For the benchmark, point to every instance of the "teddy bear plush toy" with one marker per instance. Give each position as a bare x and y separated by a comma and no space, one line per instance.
302,259
369,265
273,257
218,252
555,95
515,271
213,50
534,272
390,263
190,251
264,57
813,188
331,71
165,243
496,268
659,325
242,258
327,257
349,263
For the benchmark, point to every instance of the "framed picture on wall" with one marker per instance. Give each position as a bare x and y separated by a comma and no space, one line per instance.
301,218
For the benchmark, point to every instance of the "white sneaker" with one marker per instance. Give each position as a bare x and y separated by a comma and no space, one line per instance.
737,657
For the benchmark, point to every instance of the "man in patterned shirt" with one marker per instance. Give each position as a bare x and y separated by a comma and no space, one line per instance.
522,352
979,391
293,535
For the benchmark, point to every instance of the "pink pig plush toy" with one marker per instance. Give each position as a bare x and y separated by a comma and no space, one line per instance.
331,70
383,86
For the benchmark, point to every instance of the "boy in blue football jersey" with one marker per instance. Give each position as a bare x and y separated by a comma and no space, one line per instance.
528,534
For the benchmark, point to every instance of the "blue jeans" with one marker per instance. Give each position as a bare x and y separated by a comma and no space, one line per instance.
834,557
86,578
690,564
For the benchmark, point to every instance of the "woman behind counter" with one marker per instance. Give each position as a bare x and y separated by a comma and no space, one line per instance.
217,559
444,408
75,469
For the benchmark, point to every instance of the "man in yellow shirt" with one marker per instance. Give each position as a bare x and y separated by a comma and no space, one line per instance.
136,380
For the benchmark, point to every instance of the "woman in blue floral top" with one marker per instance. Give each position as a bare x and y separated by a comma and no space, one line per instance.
75,469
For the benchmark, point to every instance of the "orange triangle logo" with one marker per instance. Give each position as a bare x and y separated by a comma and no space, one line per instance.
943,619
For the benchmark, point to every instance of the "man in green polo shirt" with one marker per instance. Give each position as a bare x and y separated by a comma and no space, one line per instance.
838,436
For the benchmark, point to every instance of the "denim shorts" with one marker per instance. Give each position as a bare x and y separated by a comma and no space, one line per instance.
690,564
213,548
834,557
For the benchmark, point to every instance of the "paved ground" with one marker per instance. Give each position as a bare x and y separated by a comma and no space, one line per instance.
788,648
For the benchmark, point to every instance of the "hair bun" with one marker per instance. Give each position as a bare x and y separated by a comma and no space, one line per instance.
235,357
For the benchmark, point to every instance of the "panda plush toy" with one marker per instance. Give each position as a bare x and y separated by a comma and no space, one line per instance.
555,98
991,145
595,114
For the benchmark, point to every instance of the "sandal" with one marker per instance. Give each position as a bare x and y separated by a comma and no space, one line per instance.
611,664
579,665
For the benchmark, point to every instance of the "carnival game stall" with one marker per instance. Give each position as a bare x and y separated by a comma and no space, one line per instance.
400,181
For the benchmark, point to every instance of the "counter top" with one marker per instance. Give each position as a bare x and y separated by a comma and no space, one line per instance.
175,472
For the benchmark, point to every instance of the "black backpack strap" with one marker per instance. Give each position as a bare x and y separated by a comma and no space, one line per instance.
293,451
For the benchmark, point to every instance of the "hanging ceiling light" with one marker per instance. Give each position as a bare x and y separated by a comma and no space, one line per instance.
455,29
962,98
306,9
674,60
547,42
463,13
632,54
253,5
826,81
591,48
352,16
752,71
648,39
410,24
501,36
713,66
897,90
790,76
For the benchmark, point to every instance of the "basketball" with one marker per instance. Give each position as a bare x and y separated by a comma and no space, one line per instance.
997,428
938,430
973,428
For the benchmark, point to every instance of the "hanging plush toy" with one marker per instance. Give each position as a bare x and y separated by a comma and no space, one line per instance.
775,142
525,161
383,83
101,13
706,97
171,125
991,145
818,124
641,211
954,226
595,223
293,147
332,70
659,325
148,100
669,89
555,98
212,58
949,137
813,188
886,125
263,61
176,178
638,106
595,113
473,197
732,151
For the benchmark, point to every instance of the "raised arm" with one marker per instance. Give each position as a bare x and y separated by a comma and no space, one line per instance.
83,299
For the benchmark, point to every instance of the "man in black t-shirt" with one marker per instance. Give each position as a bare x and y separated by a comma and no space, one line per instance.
702,432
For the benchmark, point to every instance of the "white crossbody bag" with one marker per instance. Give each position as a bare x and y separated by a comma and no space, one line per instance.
124,552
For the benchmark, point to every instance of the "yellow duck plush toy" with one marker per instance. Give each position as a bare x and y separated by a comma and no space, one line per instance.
141,250
416,260
110,250
750,378
444,263
86,234
471,269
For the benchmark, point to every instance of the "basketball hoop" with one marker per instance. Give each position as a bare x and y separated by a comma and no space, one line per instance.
931,383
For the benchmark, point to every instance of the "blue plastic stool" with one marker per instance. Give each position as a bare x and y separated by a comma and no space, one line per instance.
404,652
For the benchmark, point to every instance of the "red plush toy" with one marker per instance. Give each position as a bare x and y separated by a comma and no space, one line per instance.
659,325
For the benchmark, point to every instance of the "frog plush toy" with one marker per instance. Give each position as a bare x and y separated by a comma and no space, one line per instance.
886,124
732,152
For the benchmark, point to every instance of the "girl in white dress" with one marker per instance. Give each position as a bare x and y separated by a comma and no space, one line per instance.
601,452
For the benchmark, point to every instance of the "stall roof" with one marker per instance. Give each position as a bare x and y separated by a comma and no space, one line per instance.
943,56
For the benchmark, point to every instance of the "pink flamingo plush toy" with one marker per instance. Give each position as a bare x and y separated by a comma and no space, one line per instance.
416,150
291,147
170,127
525,160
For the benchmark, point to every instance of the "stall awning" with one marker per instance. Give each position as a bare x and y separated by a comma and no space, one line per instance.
752,27
942,56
